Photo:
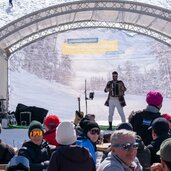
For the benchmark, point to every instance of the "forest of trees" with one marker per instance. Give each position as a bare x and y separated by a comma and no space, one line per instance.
42,58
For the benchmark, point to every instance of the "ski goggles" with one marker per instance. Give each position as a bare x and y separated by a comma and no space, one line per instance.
127,146
36,133
94,131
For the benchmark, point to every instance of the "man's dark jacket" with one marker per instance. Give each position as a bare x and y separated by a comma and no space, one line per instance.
141,121
155,146
71,158
38,155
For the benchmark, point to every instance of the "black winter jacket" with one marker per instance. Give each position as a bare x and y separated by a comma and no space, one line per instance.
141,121
38,155
155,146
71,158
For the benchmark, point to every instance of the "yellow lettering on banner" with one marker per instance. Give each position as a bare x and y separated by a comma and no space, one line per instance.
89,48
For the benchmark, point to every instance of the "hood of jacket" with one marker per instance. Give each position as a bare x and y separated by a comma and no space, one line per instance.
74,153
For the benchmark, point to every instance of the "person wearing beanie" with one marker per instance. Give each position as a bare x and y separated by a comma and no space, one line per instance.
36,150
91,132
68,155
165,159
50,123
65,134
168,117
35,125
141,120
79,128
154,98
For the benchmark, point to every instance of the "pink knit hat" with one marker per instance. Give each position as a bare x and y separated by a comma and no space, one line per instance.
154,98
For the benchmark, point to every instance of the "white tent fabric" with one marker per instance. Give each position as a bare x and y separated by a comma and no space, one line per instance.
133,16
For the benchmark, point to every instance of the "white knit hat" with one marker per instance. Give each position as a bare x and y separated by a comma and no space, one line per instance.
65,133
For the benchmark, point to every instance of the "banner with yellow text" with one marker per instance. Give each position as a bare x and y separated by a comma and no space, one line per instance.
89,48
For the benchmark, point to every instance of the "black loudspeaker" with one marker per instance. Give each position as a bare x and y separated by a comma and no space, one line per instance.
37,114
91,95
25,118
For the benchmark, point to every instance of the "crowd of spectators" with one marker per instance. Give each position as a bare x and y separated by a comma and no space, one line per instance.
141,144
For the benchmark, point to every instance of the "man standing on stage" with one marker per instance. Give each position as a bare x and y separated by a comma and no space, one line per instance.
116,89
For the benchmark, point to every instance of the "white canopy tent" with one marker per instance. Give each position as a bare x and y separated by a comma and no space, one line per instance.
133,16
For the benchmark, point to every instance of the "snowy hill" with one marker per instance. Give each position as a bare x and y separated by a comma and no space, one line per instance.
137,61
62,100
31,91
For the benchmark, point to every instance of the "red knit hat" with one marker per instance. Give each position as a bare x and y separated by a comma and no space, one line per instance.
154,98
167,116
52,121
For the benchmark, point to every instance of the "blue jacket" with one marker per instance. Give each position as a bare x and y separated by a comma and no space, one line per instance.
89,145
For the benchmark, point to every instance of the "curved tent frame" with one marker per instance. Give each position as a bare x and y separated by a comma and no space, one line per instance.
133,16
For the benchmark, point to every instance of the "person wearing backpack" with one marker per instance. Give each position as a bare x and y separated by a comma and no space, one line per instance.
141,120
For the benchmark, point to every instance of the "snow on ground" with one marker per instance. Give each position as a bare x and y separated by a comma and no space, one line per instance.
62,101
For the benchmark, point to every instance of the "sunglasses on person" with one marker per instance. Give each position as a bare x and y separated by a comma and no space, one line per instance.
94,131
127,146
36,133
